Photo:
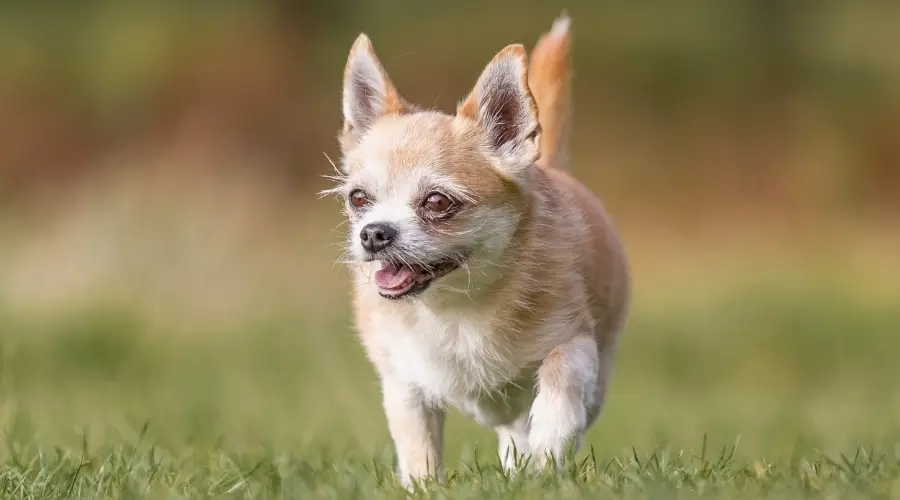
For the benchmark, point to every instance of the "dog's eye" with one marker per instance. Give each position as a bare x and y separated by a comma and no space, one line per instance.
436,202
359,198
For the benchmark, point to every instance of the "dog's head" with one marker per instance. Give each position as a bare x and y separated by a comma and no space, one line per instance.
428,193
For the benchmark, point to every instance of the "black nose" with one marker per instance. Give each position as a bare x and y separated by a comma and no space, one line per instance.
377,237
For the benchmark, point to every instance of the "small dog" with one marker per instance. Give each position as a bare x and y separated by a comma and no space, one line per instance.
486,277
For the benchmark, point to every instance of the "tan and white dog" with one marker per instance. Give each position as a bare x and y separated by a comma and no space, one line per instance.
486,277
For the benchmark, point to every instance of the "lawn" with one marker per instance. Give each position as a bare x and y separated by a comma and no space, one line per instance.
746,377
798,397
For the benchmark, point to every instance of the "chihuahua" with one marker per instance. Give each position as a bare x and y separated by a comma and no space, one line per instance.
486,277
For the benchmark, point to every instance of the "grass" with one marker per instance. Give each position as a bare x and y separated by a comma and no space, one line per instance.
207,368
102,403
147,471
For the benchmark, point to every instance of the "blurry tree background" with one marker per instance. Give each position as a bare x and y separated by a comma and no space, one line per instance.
759,100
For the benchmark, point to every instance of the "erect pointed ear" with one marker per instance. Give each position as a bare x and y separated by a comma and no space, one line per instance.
503,105
368,92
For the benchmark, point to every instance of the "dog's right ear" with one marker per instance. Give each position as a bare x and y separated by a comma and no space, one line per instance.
368,92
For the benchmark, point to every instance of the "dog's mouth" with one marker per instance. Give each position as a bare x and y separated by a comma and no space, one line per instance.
397,280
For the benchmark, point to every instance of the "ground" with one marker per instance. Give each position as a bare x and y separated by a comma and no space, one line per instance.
765,372
798,398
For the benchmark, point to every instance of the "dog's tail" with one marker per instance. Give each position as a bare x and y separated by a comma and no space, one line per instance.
550,81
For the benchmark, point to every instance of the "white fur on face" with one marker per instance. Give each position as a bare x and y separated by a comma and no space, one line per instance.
482,230
392,202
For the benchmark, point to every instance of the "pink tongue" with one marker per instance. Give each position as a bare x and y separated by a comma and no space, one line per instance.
392,276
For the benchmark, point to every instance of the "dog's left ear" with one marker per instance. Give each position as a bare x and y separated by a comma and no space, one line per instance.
503,105
368,93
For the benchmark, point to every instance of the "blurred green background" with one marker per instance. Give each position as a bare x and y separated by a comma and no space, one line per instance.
164,256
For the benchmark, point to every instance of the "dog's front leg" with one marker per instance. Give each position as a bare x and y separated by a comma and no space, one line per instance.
566,388
417,430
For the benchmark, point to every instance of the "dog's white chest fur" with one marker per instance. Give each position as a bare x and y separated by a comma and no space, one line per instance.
456,359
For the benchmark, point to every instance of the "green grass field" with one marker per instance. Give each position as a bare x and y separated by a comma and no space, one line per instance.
758,393
772,379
